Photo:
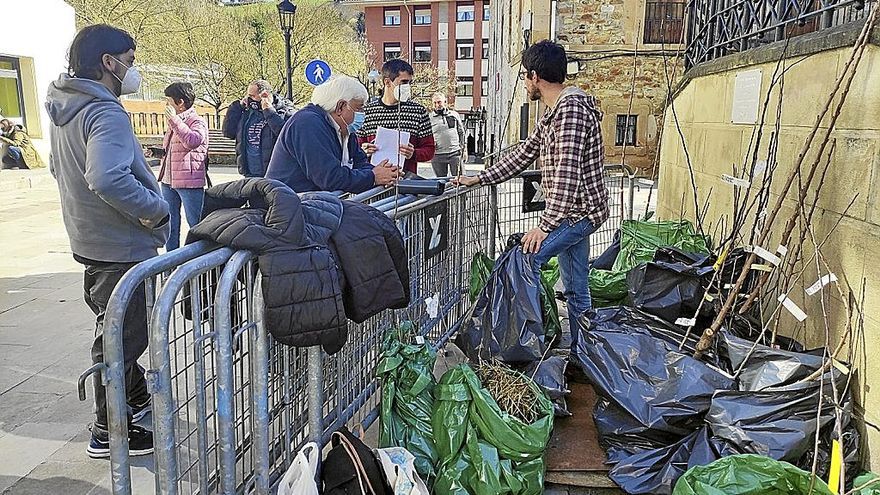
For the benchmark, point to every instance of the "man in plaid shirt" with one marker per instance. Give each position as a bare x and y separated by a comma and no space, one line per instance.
568,140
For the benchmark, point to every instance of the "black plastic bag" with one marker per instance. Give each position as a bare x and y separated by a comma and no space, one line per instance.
625,319
661,412
549,374
506,321
673,285
656,471
605,261
663,389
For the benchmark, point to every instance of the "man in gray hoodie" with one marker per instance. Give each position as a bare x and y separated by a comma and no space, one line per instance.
110,200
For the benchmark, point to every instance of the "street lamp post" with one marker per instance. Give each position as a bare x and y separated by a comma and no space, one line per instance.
286,17
374,78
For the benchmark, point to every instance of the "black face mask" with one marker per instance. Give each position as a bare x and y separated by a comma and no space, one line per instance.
440,111
253,104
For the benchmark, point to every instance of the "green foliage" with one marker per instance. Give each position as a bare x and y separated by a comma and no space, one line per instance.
224,48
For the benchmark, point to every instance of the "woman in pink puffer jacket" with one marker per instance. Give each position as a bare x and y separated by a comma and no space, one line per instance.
184,172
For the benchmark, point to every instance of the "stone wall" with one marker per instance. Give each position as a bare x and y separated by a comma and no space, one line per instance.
611,82
602,35
716,146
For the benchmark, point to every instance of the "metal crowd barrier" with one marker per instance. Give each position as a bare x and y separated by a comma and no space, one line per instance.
231,407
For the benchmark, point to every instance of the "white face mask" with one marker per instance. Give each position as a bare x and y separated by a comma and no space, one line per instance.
403,92
131,83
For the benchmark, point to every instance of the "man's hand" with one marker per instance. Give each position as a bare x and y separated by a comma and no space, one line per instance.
369,148
407,150
531,242
385,174
467,181
266,100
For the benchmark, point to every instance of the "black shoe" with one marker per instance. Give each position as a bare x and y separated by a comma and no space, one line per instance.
140,410
140,442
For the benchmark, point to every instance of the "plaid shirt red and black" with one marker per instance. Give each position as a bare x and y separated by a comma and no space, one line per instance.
569,141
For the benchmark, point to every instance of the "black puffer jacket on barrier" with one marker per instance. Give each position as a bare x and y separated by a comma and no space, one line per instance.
309,291
301,283
374,262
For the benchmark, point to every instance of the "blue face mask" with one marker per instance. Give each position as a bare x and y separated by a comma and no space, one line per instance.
357,123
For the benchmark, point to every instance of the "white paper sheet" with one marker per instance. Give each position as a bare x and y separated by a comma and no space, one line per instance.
389,146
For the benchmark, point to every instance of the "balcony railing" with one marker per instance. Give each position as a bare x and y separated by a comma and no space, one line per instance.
722,27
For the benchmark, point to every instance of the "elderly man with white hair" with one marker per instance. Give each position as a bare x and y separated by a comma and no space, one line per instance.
318,149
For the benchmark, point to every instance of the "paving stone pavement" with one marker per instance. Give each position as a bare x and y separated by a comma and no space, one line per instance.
45,335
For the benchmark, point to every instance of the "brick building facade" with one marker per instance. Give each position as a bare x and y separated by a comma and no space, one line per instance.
451,36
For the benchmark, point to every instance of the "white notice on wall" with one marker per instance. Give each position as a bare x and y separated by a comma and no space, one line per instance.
746,97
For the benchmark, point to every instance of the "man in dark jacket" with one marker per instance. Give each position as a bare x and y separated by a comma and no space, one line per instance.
111,203
255,123
318,149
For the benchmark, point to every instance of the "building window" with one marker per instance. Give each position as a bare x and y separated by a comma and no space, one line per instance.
464,12
485,10
485,49
392,51
485,87
422,52
664,21
625,134
392,16
465,86
464,49
11,101
422,16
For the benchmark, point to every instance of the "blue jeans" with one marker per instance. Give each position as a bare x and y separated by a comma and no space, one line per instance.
192,200
13,157
571,244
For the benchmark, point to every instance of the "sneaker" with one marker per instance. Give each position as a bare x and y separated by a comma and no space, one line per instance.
139,411
140,442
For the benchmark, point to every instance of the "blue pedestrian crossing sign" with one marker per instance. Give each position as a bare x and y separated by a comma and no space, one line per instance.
317,72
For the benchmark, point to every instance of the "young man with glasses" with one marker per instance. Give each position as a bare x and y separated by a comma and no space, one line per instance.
396,111
568,140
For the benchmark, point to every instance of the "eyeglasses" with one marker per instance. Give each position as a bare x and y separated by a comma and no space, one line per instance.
522,75
404,81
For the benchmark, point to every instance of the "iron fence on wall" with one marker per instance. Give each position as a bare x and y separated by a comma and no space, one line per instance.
716,28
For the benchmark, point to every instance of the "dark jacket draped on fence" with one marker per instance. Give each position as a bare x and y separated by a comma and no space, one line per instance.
322,259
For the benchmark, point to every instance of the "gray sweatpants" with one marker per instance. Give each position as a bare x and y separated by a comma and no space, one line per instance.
446,164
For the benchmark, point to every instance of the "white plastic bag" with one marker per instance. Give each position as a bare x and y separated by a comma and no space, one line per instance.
300,477
399,467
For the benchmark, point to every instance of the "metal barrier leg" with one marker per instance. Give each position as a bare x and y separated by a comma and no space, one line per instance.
493,219
117,412
316,396
631,196
201,400
260,396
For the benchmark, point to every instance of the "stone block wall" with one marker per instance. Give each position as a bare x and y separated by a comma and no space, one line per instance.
849,199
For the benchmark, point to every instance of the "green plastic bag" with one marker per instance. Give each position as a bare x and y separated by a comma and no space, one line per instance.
867,480
406,372
638,243
481,270
749,474
549,277
483,450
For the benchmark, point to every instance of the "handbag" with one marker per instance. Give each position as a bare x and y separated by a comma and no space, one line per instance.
300,476
351,468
